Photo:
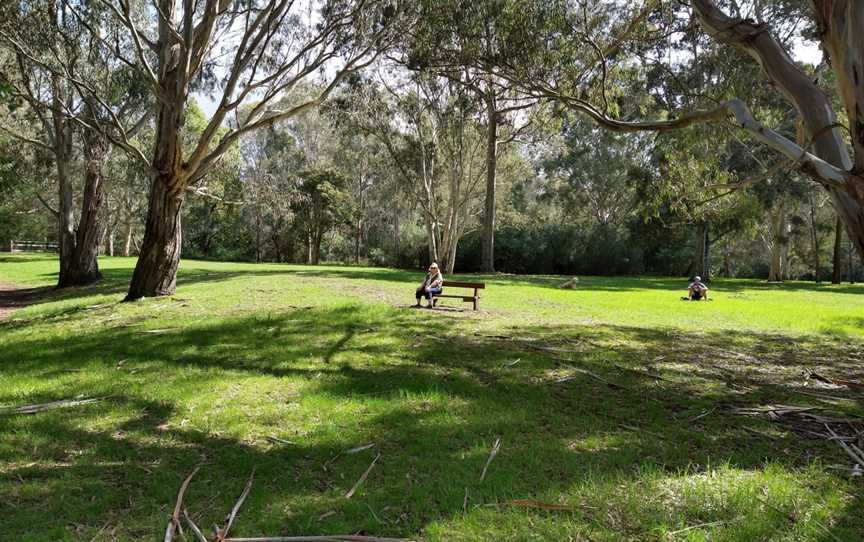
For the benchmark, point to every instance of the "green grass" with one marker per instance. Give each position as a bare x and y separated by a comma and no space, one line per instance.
329,358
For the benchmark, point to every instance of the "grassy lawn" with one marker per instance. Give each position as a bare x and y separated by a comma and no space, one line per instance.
644,416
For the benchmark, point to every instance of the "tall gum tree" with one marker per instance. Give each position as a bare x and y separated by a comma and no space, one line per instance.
270,47
44,55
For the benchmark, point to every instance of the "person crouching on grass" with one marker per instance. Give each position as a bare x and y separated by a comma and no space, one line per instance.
431,285
697,290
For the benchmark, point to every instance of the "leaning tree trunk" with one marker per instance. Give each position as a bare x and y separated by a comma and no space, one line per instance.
837,271
84,267
487,261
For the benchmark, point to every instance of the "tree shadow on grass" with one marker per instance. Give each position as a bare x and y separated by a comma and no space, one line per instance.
433,397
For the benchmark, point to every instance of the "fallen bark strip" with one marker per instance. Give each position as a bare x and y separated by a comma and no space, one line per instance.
850,449
41,407
362,478
222,534
492,453
595,376
174,524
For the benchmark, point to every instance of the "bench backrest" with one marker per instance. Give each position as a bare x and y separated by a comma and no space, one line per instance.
457,284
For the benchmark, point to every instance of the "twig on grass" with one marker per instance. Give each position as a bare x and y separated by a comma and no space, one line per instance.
174,524
706,413
850,449
362,478
592,375
41,407
222,534
198,534
492,453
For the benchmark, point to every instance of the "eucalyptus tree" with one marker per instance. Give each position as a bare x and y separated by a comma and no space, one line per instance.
448,40
557,59
46,55
254,53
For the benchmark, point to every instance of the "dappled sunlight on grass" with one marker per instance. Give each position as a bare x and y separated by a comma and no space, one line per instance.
620,412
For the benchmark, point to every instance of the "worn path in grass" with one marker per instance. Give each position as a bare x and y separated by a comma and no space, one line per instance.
14,297
641,417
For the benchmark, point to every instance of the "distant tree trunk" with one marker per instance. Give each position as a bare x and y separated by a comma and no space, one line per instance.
396,249
127,244
814,238
837,271
727,260
778,243
109,248
316,248
487,262
257,237
702,265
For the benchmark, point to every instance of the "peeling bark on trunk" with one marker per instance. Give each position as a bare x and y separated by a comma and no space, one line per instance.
156,271
79,247
159,257
487,262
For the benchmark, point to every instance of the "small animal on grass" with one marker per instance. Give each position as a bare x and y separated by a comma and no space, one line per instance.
431,285
696,291
570,284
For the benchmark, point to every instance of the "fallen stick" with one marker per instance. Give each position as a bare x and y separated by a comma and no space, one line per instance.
592,375
855,457
195,529
66,403
222,534
492,453
362,478
174,524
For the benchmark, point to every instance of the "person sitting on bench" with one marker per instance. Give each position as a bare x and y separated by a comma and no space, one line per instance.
431,285
697,290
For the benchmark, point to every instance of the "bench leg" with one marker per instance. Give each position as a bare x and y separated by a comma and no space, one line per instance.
476,302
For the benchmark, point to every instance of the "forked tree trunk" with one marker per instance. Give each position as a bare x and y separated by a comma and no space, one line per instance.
159,256
487,262
837,271
79,247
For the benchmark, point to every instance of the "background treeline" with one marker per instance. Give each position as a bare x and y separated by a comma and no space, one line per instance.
345,184
393,168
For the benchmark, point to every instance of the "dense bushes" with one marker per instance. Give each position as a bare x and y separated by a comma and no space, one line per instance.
555,249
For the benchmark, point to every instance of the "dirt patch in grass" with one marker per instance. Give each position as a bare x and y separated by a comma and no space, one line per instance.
14,297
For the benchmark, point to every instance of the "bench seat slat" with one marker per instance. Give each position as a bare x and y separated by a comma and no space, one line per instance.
458,284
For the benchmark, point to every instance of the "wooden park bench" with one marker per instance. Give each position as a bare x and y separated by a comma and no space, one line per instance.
475,299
